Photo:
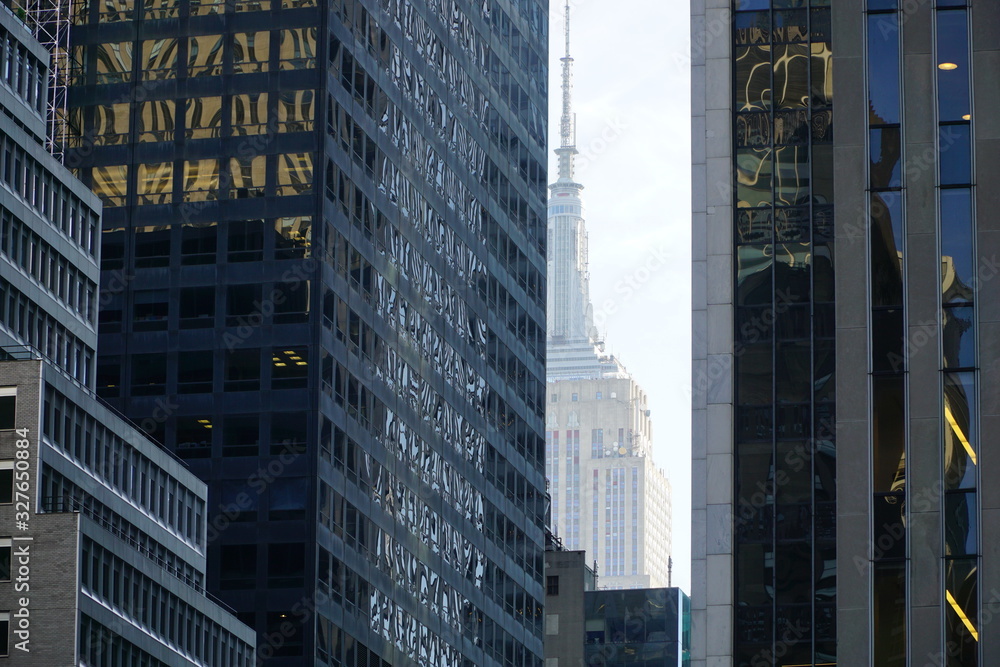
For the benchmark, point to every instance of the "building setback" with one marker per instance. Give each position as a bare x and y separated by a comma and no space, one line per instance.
608,497
861,535
323,249
102,533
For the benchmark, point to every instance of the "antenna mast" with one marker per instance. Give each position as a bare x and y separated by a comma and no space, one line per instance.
567,126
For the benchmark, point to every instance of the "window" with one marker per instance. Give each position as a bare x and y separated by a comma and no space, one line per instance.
288,432
8,403
290,368
150,309
552,585
194,372
554,398
4,633
197,306
576,397
285,565
600,396
288,499
243,301
243,370
241,435
194,437
6,482
246,240
198,241
6,544
238,566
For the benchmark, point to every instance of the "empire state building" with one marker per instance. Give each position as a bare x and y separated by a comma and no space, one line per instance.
608,497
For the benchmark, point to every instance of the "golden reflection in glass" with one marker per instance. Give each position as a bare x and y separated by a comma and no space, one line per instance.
753,177
791,170
947,66
156,120
292,4
203,118
251,51
960,441
294,174
821,63
296,110
110,184
207,7
791,76
114,62
753,78
114,10
201,180
78,66
294,235
253,5
161,9
159,57
155,183
249,113
298,48
247,176
205,55
110,124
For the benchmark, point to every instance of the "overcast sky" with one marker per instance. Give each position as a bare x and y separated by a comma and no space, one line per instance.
632,101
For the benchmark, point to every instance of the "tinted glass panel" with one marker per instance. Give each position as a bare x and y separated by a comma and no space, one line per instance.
889,615
887,341
883,69
888,434
959,337
953,65
962,612
960,432
884,158
957,264
956,155
961,524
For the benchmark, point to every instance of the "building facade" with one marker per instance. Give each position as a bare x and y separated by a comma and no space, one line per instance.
608,497
323,253
103,546
648,627
867,523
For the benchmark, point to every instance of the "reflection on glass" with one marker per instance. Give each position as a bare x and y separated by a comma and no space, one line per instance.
296,110
953,50
822,176
155,183
293,237
111,123
791,76
793,264
298,48
753,78
249,113
961,534
753,177
886,249
883,69
889,615
791,223
791,127
110,11
753,130
251,51
203,118
959,337
159,57
294,174
888,434
109,183
792,372
156,120
755,374
201,180
955,145
206,7
885,153
205,55
752,28
962,612
821,62
791,170
114,62
791,25
161,9
961,439
753,279
247,176
957,262
888,526
753,225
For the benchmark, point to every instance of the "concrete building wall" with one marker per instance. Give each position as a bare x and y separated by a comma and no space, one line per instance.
711,336
566,575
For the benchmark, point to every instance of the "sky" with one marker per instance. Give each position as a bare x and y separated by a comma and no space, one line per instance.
631,96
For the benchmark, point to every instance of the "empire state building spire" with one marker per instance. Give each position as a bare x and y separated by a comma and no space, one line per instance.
574,348
567,123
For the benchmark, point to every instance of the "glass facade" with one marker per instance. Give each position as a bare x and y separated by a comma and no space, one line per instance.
961,548
785,523
645,627
323,255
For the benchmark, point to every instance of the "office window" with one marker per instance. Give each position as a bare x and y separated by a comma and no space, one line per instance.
155,183
288,499
194,372
205,55
600,396
246,240
247,174
156,121
241,435
150,310
553,398
6,545
575,397
109,183
6,482
242,369
4,633
552,585
238,566
203,117
149,374
201,180
286,564
251,52
8,404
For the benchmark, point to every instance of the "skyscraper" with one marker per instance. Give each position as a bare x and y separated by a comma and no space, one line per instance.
608,497
102,533
861,535
326,221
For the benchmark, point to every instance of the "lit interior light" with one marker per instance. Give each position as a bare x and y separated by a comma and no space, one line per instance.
959,434
961,614
967,116
289,352
202,421
947,66
280,363
300,363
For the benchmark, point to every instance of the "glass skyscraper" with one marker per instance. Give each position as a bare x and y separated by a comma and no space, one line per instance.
323,260
860,534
